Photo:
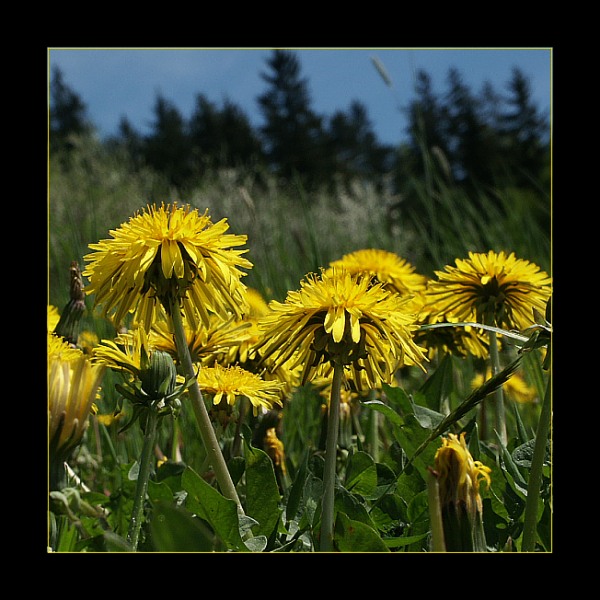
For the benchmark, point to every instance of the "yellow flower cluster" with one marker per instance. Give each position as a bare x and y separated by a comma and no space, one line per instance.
362,313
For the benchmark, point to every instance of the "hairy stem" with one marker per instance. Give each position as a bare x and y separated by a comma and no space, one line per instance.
205,426
333,423
141,487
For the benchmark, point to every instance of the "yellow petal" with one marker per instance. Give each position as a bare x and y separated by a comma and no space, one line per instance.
355,324
171,259
339,324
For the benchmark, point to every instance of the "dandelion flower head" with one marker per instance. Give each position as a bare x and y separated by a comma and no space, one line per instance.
341,318
393,271
493,289
227,384
164,256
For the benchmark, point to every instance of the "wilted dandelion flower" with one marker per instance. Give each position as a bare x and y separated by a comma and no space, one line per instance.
493,289
459,478
73,382
345,319
227,384
168,256
389,269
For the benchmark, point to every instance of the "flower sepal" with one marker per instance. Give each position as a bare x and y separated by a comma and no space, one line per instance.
155,389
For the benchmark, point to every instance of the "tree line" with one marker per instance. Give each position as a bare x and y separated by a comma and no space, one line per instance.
480,139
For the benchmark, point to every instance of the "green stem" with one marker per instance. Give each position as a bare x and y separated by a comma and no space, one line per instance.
535,474
374,430
438,543
205,426
500,417
142,479
333,423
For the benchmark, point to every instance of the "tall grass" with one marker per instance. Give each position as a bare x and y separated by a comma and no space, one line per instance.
290,231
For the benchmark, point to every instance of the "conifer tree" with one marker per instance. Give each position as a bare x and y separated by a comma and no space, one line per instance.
167,148
68,113
292,133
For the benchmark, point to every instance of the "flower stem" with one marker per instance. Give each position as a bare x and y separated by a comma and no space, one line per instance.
438,543
207,432
500,417
374,430
535,474
333,423
142,479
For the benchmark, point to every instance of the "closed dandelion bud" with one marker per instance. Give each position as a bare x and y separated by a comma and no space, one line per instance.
159,378
459,478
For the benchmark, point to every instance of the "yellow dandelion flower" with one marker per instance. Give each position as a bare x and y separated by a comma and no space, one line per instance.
126,353
167,256
341,318
53,317
227,384
258,306
493,289
87,341
389,269
73,382
516,387
459,341
216,341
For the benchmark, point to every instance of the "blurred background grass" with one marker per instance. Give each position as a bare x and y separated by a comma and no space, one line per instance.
291,231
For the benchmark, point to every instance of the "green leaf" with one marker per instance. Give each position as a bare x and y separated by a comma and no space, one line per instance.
174,529
354,536
262,492
295,493
361,474
386,410
351,506
412,437
427,418
404,541
219,512
523,454
439,385
115,543
159,491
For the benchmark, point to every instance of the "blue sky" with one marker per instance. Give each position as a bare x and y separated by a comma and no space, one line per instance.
125,82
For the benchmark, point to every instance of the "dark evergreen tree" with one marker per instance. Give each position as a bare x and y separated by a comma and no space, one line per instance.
473,146
167,148
293,136
354,147
68,113
129,140
427,137
222,137
524,131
